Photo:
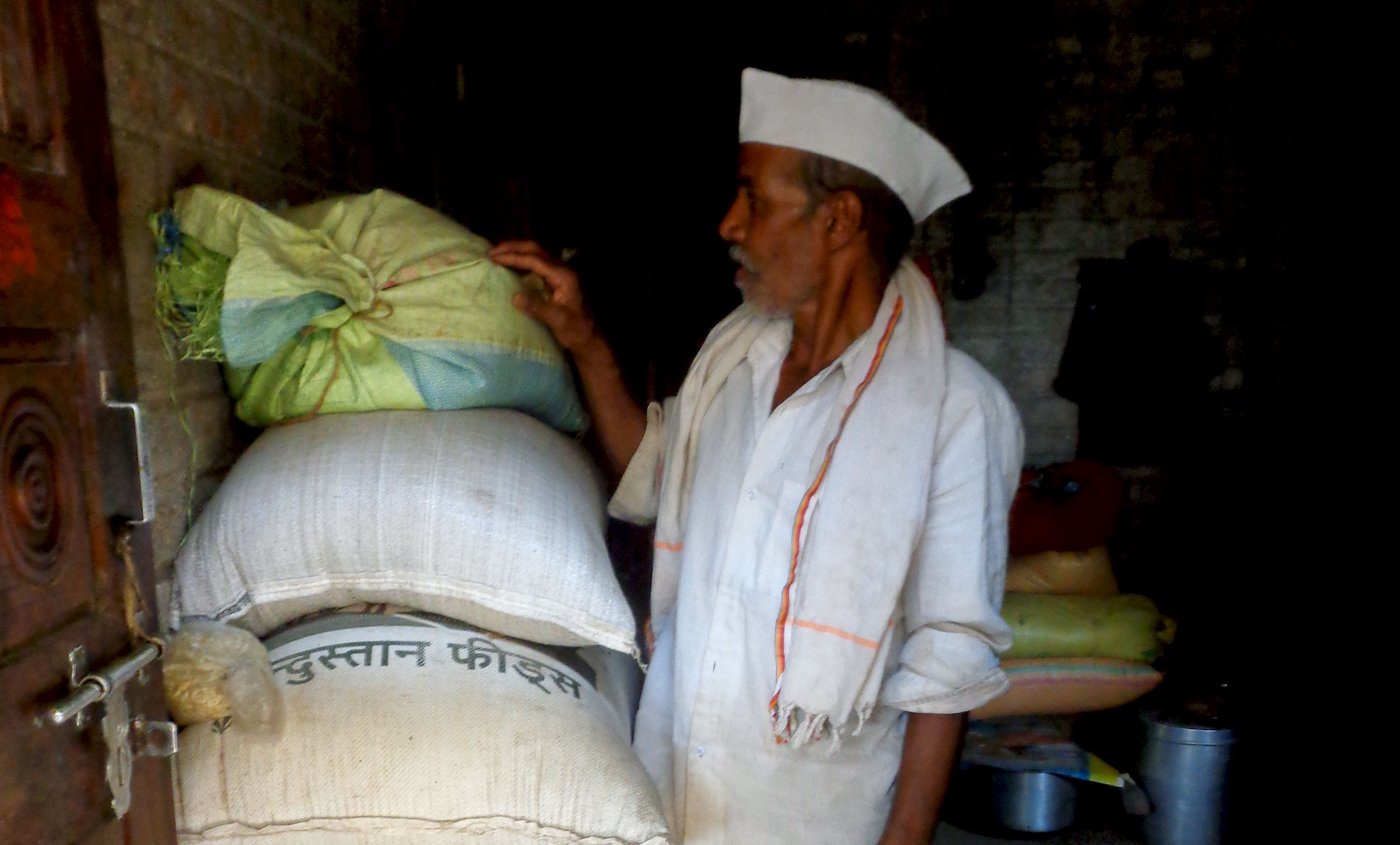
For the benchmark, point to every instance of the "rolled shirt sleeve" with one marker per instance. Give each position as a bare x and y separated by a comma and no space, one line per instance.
638,493
952,598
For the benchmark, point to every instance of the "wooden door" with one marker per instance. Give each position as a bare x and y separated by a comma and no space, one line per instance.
75,567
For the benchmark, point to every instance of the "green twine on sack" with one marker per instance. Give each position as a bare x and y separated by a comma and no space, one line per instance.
189,289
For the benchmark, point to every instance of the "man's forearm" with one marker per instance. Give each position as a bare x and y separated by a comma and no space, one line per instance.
618,422
931,743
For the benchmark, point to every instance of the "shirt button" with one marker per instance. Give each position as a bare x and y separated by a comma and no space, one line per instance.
752,493
699,751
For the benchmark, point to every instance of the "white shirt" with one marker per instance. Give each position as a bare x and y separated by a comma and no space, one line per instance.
703,729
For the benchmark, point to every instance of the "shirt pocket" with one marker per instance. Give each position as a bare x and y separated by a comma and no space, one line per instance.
775,552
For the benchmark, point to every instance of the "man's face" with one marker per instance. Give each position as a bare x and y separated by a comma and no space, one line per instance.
776,240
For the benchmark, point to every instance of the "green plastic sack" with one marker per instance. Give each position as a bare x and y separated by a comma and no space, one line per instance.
1127,627
357,303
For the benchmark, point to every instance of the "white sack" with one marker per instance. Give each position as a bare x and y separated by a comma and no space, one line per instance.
486,515
489,741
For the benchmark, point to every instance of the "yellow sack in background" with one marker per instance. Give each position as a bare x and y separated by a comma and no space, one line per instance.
1127,627
1087,573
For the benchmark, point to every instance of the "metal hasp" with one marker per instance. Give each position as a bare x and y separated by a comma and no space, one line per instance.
126,738
155,739
125,455
96,686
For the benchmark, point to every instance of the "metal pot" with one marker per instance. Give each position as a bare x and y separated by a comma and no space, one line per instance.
1033,802
1183,771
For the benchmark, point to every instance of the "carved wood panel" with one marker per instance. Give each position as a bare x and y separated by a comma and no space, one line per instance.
47,570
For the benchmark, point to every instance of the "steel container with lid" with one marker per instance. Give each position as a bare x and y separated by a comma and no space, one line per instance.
1183,769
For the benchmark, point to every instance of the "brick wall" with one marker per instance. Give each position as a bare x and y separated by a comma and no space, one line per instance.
1086,126
257,97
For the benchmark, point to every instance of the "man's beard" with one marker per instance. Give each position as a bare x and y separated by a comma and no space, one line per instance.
738,256
748,286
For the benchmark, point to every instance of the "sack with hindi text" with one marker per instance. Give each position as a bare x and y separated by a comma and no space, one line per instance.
407,728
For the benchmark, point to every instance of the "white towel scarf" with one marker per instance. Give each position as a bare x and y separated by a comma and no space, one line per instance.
857,527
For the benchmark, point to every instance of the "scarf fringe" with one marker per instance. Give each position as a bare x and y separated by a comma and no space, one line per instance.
795,728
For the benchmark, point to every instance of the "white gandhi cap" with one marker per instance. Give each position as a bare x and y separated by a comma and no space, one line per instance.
849,123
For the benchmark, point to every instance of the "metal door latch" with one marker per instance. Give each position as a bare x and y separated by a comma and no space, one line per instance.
97,686
126,738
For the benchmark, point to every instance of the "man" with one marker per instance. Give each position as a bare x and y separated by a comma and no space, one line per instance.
830,490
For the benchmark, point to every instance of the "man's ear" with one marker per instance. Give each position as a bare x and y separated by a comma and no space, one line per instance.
844,212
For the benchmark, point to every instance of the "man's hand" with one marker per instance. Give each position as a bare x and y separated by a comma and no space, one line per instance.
618,421
931,742
562,310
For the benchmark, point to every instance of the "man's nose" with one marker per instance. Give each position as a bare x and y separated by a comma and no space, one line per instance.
731,228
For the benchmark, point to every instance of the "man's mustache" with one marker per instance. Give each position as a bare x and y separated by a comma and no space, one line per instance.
737,254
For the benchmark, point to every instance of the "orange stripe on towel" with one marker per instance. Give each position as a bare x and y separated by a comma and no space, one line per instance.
780,635
836,632
669,547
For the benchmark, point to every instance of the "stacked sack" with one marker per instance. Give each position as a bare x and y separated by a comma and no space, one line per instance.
1078,644
356,303
401,625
